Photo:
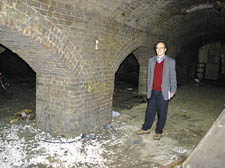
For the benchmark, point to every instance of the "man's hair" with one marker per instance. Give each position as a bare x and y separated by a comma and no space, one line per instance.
161,42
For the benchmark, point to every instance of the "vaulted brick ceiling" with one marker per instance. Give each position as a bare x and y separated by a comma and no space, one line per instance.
187,19
194,19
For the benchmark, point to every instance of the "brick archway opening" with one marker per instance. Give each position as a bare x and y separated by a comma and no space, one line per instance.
126,83
18,87
50,72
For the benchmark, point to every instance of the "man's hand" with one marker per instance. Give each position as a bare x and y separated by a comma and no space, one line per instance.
171,95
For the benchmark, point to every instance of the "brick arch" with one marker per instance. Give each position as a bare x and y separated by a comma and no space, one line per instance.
125,51
36,40
49,52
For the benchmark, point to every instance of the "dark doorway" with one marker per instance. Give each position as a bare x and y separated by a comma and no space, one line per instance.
126,84
18,87
128,71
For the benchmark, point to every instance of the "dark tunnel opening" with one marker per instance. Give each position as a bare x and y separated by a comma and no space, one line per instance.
128,72
208,66
126,84
18,87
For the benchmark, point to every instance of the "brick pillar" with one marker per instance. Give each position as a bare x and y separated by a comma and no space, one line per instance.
142,79
68,106
143,54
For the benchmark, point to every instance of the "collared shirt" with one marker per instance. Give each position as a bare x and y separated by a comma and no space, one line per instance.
161,59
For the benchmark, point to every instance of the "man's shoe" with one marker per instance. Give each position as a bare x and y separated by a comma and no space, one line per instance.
141,132
157,136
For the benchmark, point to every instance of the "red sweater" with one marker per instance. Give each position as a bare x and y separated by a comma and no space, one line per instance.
158,74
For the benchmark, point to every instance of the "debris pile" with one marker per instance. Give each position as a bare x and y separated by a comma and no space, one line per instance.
24,115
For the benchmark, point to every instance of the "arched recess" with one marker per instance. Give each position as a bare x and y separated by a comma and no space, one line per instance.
20,92
141,51
126,83
128,71
124,51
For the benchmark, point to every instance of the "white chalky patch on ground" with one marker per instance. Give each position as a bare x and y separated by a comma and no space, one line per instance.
43,149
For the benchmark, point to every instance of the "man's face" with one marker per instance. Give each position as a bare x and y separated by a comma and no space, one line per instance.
160,49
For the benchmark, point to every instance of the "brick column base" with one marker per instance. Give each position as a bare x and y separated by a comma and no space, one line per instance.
65,106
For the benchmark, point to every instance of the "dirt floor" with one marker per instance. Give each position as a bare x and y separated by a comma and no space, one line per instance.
190,115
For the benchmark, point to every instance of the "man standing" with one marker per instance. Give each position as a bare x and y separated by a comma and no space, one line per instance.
161,87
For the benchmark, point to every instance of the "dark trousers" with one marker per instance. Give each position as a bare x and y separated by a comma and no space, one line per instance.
156,104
